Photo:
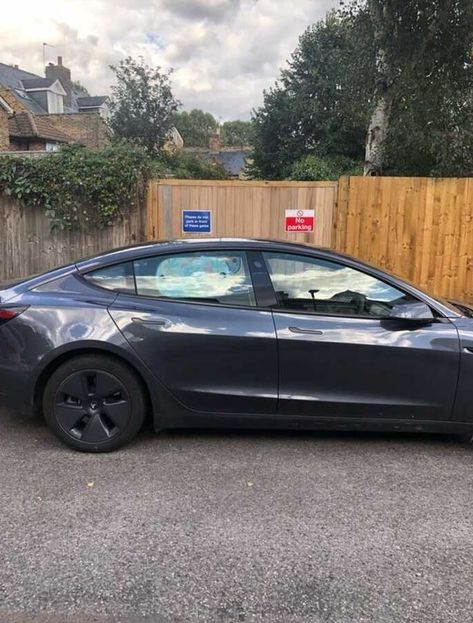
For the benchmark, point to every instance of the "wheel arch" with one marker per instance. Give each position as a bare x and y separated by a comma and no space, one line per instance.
65,355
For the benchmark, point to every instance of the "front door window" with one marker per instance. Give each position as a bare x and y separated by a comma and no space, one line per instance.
307,284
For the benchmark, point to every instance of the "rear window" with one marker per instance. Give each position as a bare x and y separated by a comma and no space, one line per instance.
118,278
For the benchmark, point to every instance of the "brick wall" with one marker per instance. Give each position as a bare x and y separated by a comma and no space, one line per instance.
87,128
4,136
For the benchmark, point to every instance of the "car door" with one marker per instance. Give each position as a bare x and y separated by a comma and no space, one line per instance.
195,322
350,344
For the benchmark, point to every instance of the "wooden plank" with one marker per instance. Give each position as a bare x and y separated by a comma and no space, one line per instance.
245,184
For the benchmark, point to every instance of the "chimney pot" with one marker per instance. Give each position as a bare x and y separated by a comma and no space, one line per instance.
59,60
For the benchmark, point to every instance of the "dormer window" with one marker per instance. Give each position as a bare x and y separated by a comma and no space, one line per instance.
55,102
47,92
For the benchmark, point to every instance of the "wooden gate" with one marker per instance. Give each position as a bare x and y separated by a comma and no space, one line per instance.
241,209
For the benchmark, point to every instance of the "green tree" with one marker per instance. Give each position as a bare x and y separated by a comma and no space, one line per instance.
237,133
184,165
195,127
321,104
80,88
142,104
422,116
315,168
388,82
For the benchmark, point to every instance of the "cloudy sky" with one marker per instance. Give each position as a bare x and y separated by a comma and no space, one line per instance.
224,52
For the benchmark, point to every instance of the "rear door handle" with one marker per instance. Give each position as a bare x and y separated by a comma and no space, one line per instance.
299,330
157,322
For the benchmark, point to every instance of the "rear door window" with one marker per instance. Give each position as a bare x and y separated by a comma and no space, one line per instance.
218,277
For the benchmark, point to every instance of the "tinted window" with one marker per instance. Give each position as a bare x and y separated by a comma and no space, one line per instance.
315,285
207,277
118,277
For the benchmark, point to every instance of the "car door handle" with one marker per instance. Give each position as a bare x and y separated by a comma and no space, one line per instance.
305,331
157,322
468,349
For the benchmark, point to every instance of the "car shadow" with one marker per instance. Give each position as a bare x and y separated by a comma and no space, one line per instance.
18,424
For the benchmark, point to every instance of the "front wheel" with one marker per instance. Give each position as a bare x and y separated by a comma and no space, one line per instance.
94,403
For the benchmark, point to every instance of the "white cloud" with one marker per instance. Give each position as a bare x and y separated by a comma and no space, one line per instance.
224,52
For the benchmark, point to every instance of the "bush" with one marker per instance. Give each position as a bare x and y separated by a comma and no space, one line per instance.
183,165
77,186
317,168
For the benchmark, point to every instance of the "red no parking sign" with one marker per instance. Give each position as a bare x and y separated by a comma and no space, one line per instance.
300,221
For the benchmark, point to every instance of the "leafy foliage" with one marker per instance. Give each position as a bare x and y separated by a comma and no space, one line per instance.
321,103
428,76
315,168
415,55
81,188
77,186
80,88
195,127
142,104
184,165
237,133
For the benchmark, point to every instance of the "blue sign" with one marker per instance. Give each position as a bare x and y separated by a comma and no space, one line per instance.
196,221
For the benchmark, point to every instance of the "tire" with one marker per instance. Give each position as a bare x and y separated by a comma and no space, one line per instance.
94,403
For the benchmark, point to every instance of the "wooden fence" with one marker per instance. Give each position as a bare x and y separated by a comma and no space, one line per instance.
241,209
418,228
27,245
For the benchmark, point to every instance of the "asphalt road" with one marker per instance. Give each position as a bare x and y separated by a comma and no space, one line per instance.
199,526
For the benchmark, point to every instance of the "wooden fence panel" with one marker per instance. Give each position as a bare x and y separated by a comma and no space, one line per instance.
241,209
27,245
418,228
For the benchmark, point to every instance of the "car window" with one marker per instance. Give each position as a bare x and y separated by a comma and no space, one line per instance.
206,277
118,277
315,285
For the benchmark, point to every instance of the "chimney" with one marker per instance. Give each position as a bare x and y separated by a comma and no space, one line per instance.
214,141
63,74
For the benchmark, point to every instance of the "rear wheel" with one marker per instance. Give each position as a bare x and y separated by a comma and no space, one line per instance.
94,403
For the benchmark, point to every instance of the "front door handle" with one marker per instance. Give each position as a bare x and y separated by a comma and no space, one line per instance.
300,331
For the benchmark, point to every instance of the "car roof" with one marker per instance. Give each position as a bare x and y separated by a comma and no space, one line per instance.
147,249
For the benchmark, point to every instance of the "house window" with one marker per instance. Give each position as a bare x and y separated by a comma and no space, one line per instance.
52,146
55,103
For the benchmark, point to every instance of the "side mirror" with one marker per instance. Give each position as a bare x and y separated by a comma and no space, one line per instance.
412,310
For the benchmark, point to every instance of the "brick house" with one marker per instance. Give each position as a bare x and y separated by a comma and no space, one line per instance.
44,112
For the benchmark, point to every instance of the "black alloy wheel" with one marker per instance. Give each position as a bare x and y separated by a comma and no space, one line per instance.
92,406
94,403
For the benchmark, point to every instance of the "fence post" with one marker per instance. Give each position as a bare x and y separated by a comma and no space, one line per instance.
340,216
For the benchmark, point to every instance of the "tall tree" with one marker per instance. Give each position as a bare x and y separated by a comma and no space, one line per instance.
142,104
321,103
423,83
388,82
195,127
237,133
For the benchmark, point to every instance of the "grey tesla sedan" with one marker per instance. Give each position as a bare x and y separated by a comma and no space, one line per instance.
231,333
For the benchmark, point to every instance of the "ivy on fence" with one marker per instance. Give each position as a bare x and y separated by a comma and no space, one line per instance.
76,186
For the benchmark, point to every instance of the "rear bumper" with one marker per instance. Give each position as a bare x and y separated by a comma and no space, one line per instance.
15,391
